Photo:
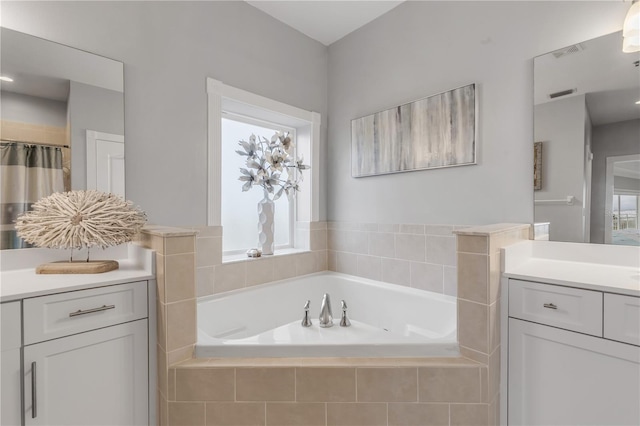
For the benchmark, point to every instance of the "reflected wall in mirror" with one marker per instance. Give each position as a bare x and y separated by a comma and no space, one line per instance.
587,116
61,124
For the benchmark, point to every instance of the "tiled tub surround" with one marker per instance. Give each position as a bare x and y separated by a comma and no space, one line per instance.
419,256
385,391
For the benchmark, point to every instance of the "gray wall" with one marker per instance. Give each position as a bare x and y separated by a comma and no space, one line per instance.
30,109
422,48
91,108
561,127
169,48
609,140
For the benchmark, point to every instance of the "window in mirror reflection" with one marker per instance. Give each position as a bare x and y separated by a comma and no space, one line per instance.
625,220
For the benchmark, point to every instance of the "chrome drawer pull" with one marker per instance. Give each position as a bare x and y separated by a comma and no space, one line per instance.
34,400
550,306
90,311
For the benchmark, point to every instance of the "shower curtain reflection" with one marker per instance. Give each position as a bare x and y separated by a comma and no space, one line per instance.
28,172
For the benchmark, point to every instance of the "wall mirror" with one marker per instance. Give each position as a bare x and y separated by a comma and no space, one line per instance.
587,143
61,124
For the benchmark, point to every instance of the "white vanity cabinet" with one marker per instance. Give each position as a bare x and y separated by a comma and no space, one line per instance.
573,356
10,371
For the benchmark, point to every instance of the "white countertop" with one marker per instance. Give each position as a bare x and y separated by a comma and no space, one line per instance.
612,269
23,282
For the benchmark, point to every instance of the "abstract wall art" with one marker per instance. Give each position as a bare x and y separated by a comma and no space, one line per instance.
433,132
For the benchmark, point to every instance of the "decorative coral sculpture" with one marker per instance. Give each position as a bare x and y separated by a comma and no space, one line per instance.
80,219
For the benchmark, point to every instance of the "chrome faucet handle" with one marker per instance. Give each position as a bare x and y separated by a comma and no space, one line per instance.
306,321
344,321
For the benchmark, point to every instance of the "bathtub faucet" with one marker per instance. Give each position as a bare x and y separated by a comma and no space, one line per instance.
326,317
344,321
306,321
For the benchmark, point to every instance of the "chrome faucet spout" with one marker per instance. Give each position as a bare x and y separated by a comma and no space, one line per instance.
306,321
326,316
344,321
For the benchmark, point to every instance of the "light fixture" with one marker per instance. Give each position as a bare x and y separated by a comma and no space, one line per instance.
631,29
638,103
5,78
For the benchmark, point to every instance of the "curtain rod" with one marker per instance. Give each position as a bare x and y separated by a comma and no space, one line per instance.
34,143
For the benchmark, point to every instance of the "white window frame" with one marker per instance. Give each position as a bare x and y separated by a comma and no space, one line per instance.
292,206
224,98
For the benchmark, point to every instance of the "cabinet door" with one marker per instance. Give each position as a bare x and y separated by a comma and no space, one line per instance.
558,377
94,378
10,364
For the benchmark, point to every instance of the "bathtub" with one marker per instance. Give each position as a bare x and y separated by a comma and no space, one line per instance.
386,320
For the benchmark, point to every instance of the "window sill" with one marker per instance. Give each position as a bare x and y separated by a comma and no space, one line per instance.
234,258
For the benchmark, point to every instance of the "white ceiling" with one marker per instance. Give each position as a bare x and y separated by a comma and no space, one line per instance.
325,21
599,70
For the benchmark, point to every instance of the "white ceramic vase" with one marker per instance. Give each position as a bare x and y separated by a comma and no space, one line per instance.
266,210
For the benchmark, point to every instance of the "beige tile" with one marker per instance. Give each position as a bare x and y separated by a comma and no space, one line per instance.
296,414
318,225
332,260
388,227
160,278
410,247
336,240
347,263
235,414
162,410
208,251
318,240
441,250
469,414
179,245
357,242
259,271
387,384
449,384
186,413
162,368
494,277
494,326
205,279
494,374
369,267
321,260
396,271
356,414
494,412
179,277
326,384
305,263
473,277
484,384
283,267
474,355
180,355
161,324
450,280
205,384
473,244
229,276
382,244
411,229
443,230
181,324
412,414
370,227
425,276
265,384
171,386
473,331
153,242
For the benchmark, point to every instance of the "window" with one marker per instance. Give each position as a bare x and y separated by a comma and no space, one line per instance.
235,114
240,228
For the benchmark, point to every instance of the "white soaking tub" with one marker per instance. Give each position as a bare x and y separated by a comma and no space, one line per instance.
386,320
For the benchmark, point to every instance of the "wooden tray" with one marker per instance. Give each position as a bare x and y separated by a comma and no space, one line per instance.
78,267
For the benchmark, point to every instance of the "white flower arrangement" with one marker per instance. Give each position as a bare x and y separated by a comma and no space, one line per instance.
266,161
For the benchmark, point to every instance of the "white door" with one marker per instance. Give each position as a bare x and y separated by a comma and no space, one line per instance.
558,377
105,162
10,374
95,378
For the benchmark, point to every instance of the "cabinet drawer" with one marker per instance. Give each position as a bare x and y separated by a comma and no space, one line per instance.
622,318
569,308
10,330
57,315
